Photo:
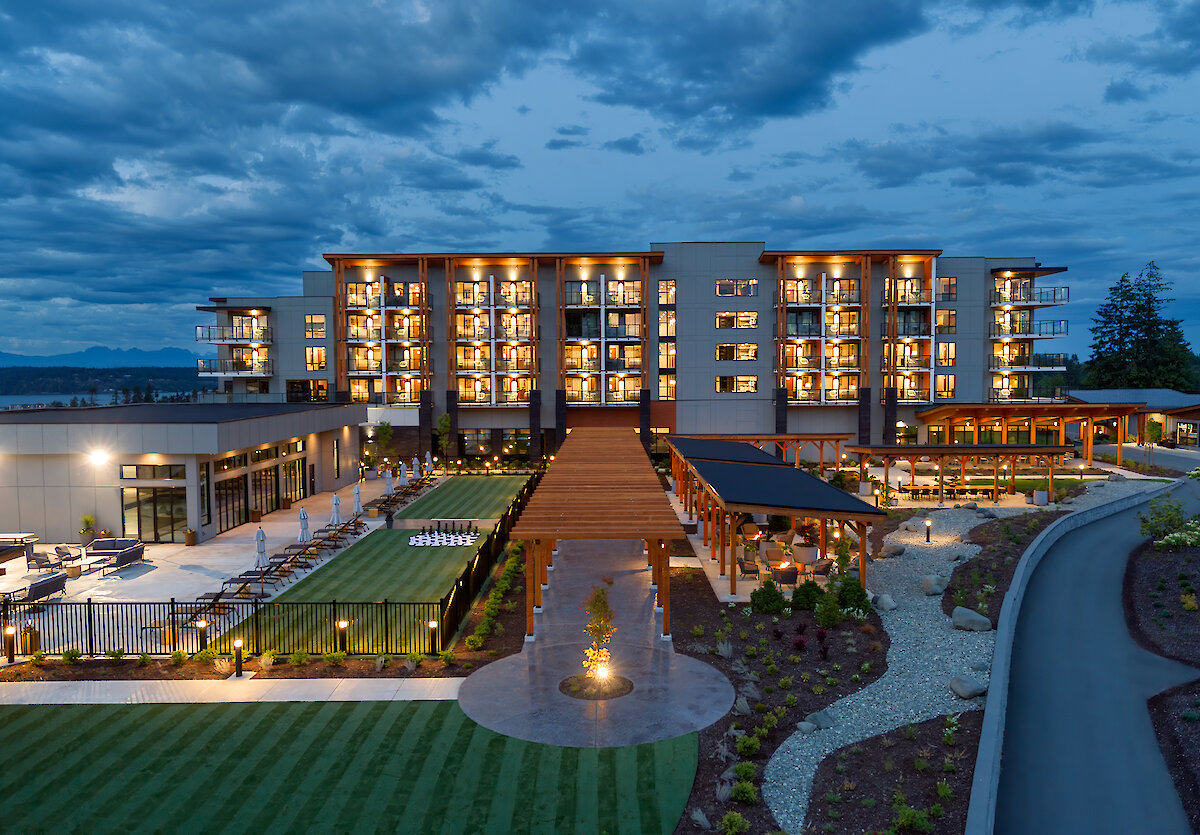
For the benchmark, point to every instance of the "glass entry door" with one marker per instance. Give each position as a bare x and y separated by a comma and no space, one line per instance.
154,514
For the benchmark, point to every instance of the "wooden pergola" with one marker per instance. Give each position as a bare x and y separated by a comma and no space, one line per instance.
600,485
792,441
730,484
960,454
1006,416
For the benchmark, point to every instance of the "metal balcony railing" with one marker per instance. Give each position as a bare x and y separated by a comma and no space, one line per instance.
580,298
364,334
582,365
803,329
845,297
583,396
514,299
804,395
841,395
1028,361
471,299
228,333
518,332
362,301
404,333
254,368
841,331
473,333
364,366
905,361
1033,295
1053,327
907,297
906,329
475,365
1024,394
623,332
511,397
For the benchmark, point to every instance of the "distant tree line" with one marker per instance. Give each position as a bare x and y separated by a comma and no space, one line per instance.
105,385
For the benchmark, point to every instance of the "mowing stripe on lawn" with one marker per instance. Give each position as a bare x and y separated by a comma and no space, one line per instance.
467,497
324,766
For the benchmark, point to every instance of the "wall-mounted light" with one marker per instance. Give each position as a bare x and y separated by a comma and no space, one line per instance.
98,456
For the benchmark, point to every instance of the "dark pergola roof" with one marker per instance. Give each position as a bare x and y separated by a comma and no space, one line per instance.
758,488
708,449
956,450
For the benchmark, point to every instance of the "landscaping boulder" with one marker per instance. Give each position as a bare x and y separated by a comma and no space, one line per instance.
805,727
1069,500
909,526
972,505
883,602
893,549
980,666
933,584
821,719
987,514
1116,477
966,687
969,620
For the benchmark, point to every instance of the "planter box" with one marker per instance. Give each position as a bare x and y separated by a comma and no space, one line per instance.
86,537
1041,498
31,642
255,515
189,538
285,504
372,512
865,488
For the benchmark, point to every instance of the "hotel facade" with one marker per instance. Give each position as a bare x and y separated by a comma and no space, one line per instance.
694,338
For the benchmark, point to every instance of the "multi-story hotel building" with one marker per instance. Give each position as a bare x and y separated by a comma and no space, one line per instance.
684,337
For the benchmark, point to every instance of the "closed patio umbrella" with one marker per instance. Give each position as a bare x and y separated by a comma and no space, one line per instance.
335,518
261,562
428,461
388,489
305,536
416,468
357,500
403,476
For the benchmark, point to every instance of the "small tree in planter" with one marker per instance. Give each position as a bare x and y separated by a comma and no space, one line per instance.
600,629
87,528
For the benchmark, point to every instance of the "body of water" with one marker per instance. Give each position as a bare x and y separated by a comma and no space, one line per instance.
103,398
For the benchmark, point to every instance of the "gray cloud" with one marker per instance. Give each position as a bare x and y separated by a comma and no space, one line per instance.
627,145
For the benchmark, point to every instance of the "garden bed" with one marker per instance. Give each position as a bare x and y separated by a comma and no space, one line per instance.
1157,593
1139,467
915,778
981,582
1176,717
793,681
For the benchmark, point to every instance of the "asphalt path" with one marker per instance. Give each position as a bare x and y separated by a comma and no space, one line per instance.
1079,751
1179,459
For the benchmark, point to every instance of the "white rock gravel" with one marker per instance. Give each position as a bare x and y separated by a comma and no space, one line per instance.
926,652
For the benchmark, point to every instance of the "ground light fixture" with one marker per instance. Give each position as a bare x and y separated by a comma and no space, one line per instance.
10,643
202,628
342,627
433,625
928,527
237,657
877,497
602,671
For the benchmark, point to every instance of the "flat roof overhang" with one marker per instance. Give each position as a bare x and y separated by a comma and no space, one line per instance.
904,451
468,259
780,490
770,255
1028,272
984,412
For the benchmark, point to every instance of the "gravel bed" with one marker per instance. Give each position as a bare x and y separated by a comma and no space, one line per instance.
926,652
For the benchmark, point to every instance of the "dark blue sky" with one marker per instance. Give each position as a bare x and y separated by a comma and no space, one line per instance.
153,155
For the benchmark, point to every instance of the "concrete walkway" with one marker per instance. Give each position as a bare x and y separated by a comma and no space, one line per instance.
1178,459
673,694
1080,753
177,691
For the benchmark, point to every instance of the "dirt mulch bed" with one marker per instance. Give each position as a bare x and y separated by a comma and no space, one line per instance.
1176,717
849,646
981,582
104,669
1140,468
1153,594
856,788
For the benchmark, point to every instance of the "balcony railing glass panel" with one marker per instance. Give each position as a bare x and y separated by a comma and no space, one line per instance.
228,333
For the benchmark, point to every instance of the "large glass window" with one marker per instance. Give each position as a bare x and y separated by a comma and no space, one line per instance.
666,292
947,288
666,355
945,386
294,486
738,384
233,462
738,287
314,358
314,326
158,471
337,458
666,385
231,503
743,319
264,490
154,514
666,323
945,354
738,351
205,501
947,321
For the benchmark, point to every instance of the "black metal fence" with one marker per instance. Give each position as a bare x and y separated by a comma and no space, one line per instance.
381,628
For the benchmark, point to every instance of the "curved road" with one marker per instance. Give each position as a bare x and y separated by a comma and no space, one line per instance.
1079,750
1178,459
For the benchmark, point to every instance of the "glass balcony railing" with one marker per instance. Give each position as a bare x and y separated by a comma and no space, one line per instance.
583,333
912,395
476,397
626,396
907,297
841,331
805,395
400,366
906,329
619,364
583,396
404,398
1033,295
228,333
404,333
841,395
623,299
570,297
623,332
1055,327
1024,394
471,299
514,365
253,368
511,397
906,361
393,300
474,365
802,362
1028,361
364,366
362,301
841,362
802,298
844,297
803,329
515,332
581,365
364,334
514,299
473,333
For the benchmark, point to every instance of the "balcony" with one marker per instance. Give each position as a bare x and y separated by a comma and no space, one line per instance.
583,396
803,329
904,329
911,395
591,332
848,297
226,334
471,299
514,299
513,398
804,395
1054,327
402,366
841,395
234,368
907,297
623,332
403,398
362,301
801,362
519,365
364,335
624,299
473,333
364,366
812,297
841,331
627,396
1024,394
572,298
404,334
474,365
906,361
1032,295
470,396
841,362
582,365
619,364
411,302
515,332
1043,361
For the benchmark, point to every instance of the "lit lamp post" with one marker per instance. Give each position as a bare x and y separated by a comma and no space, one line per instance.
342,627
10,643
237,658
877,497
433,625
928,526
202,628
1081,466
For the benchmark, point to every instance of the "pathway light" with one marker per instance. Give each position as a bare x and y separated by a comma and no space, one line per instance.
928,527
237,657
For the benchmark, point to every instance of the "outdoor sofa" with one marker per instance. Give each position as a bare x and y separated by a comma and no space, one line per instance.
40,589
118,553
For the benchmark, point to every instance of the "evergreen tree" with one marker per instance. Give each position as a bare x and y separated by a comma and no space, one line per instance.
1108,367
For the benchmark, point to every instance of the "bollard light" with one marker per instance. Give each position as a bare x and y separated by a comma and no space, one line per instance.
237,657
10,643
928,527
433,625
877,497
342,626
202,628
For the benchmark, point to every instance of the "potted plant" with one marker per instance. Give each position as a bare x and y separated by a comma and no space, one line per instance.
189,536
285,503
806,552
255,515
87,529
104,533
31,639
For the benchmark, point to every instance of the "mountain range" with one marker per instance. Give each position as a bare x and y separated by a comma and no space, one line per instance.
100,357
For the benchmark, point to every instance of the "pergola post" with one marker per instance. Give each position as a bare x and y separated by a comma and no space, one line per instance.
543,565
820,459
664,590
652,557
1122,423
887,466
704,517
722,537
530,583
996,479
733,538
1004,430
941,471
824,540
550,548
1050,477
912,472
861,527
539,557
1012,475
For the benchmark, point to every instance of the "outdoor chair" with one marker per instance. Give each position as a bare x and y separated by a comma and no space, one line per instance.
747,568
64,553
786,576
42,562
772,554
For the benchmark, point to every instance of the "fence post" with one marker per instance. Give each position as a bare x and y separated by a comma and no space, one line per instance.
333,623
257,630
385,649
91,624
171,625
470,581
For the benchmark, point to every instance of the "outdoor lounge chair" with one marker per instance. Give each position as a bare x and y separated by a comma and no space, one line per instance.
747,568
42,562
786,576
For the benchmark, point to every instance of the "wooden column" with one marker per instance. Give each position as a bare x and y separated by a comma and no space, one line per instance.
1122,422
1090,441
704,510
861,527
664,590
539,557
1050,477
544,564
1004,431
1012,475
941,471
550,554
823,540
733,518
652,555
912,472
530,582
721,539
996,480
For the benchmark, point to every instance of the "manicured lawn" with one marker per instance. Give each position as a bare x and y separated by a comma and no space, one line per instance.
322,767
467,497
383,566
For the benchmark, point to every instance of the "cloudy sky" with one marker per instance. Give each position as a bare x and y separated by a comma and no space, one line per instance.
153,155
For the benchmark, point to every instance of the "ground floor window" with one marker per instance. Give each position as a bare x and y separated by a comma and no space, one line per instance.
292,480
154,514
516,441
476,442
264,488
307,391
231,503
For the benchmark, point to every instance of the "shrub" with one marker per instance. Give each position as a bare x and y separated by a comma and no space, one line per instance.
205,656
852,595
790,701
909,819
745,770
943,790
178,657
298,659
828,612
745,792
72,656
144,659
267,660
223,666
806,595
697,631
474,643
785,683
117,655
38,658
334,659
733,824
767,599
1164,516
747,746
448,658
